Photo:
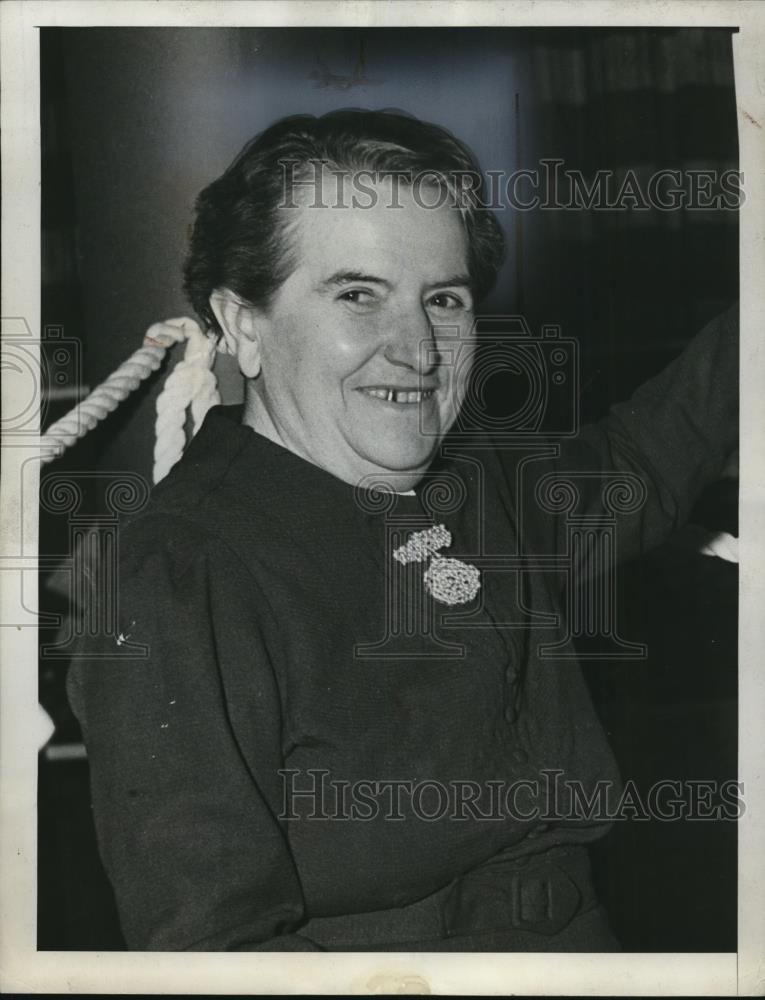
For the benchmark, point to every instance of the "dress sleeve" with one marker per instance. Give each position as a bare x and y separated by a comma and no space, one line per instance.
181,717
674,436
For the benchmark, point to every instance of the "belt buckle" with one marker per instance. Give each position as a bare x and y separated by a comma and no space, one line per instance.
545,902
542,901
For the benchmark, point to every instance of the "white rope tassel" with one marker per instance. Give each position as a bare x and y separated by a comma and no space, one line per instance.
192,383
105,398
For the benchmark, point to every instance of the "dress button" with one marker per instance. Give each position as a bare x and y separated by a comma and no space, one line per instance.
520,755
510,714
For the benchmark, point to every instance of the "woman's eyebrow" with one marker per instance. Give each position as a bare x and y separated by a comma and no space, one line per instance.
462,280
343,277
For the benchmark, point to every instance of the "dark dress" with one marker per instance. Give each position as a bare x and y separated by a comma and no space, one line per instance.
306,751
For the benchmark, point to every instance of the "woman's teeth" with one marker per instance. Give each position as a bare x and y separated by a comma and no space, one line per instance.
400,395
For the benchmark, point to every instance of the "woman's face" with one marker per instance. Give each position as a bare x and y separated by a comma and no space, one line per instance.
366,347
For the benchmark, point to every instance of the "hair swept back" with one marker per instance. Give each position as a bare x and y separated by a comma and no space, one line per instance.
239,238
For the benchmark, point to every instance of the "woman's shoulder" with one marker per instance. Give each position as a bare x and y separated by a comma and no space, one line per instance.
189,513
180,552
166,534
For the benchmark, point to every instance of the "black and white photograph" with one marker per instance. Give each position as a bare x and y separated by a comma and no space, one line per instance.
382,523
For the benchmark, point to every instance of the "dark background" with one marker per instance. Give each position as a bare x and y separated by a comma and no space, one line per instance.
136,121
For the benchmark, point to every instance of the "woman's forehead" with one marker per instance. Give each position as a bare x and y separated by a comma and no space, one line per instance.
395,231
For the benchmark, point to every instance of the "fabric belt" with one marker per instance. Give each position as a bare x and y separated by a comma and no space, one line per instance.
537,895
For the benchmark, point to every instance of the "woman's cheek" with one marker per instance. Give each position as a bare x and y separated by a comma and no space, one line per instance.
357,337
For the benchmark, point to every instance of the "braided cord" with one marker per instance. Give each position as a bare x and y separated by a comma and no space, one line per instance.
190,383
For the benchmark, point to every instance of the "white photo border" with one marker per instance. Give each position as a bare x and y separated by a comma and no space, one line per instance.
25,970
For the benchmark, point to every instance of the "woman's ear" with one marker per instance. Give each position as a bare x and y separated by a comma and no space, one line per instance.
240,330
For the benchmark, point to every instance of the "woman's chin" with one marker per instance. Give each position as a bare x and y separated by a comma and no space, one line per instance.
412,455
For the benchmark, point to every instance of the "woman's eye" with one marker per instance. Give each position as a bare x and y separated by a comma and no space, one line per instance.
356,296
446,300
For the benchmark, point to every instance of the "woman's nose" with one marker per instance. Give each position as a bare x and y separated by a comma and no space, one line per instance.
412,343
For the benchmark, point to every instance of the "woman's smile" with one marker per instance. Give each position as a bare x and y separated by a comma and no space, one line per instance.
399,397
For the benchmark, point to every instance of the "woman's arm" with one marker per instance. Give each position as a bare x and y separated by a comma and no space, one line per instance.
676,432
668,442
184,742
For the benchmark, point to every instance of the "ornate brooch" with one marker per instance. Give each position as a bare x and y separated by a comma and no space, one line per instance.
450,581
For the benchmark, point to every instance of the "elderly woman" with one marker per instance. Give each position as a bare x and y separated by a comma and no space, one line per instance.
354,719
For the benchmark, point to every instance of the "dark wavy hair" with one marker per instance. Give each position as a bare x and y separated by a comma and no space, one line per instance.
239,239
